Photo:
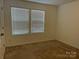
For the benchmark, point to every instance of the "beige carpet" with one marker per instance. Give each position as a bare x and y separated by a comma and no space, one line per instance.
43,50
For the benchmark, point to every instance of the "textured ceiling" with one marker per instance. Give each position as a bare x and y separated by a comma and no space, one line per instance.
51,2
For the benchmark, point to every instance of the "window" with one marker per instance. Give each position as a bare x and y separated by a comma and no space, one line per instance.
37,21
20,21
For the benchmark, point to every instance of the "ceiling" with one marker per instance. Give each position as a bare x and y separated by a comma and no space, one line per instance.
51,2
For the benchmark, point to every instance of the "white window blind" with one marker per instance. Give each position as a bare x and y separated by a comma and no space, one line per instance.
20,21
37,21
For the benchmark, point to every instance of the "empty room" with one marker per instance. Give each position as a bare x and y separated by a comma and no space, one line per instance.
39,29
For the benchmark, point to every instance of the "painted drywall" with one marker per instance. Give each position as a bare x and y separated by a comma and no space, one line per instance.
50,23
68,24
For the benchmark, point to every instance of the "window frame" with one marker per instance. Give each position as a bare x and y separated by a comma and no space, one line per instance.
11,21
30,9
44,21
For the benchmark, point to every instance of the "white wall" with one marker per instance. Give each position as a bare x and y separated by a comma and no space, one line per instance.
68,23
50,23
